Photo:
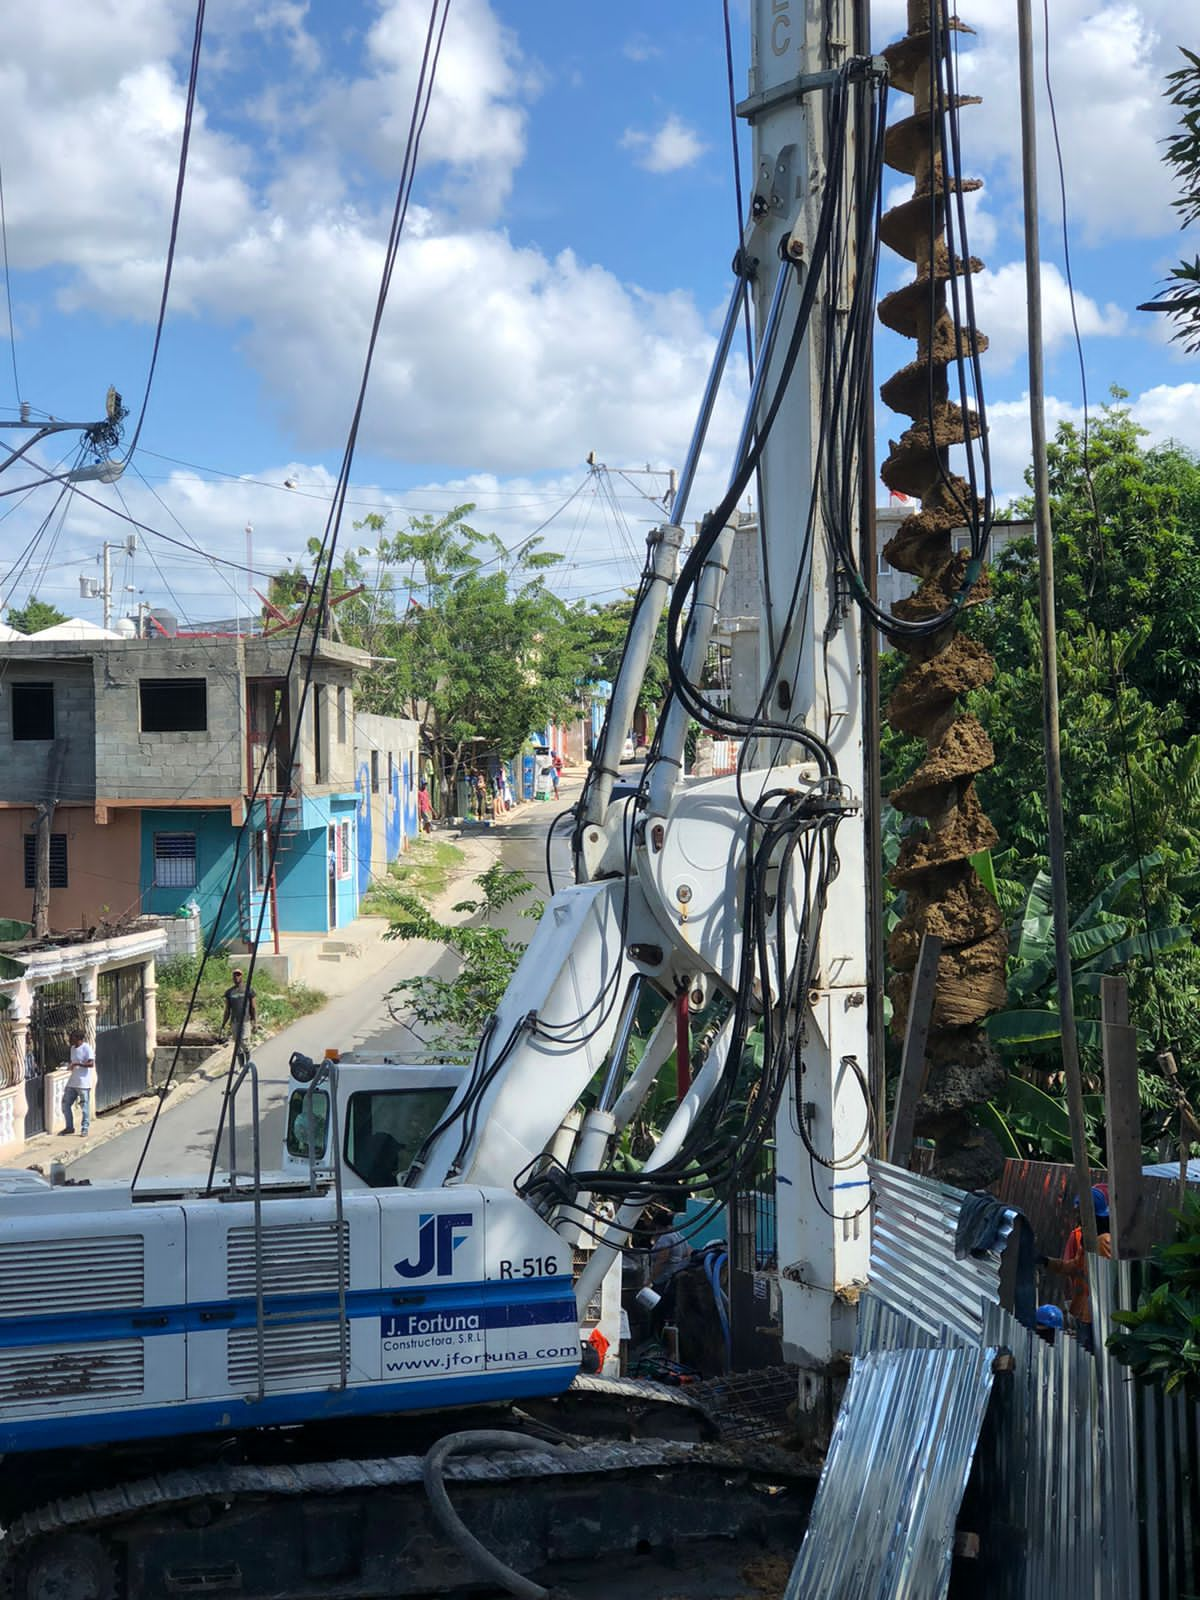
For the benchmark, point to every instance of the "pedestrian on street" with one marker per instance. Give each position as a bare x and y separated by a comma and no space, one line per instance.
79,1085
555,771
425,807
239,1006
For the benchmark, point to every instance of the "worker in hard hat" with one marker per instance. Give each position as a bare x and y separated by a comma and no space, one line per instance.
1048,1321
1072,1264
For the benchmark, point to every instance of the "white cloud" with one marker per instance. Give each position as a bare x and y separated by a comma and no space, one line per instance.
1170,411
669,148
1108,59
640,48
600,557
1000,312
492,356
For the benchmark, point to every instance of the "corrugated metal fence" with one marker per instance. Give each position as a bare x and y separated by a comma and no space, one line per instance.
1085,1486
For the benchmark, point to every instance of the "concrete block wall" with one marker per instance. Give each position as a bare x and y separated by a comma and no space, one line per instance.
133,764
25,763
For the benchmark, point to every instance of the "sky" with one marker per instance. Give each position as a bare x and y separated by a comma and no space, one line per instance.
564,268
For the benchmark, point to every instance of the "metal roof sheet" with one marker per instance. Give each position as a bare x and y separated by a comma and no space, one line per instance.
882,1524
914,1270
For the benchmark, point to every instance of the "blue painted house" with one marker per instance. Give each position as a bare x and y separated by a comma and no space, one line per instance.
182,753
386,762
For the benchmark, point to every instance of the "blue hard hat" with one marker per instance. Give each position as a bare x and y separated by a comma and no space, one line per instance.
1099,1200
1050,1317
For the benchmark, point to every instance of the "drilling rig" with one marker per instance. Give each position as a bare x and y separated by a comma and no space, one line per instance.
239,1397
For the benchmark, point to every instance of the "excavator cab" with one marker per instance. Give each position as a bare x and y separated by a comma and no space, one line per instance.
371,1114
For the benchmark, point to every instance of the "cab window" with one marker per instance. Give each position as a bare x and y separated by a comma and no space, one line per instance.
386,1127
303,1108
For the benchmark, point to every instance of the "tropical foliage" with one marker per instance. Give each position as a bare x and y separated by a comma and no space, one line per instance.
1160,1340
1126,521
1180,298
468,637
455,1010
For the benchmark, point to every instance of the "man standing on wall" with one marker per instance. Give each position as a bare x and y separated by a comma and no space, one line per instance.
79,1085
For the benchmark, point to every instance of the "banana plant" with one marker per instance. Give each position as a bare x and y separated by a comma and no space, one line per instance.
1102,940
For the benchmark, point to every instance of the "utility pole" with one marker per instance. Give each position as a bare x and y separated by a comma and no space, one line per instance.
45,824
99,438
87,586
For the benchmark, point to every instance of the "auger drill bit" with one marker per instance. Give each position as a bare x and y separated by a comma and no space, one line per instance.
944,895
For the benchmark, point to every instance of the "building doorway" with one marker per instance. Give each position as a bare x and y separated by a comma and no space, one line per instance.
331,870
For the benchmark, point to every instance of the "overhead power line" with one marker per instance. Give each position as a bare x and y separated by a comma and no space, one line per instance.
12,332
184,144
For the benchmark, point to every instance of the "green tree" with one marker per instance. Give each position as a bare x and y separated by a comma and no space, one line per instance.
35,615
481,651
1126,523
457,1009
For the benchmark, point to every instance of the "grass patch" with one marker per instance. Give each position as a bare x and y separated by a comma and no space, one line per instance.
424,870
277,1004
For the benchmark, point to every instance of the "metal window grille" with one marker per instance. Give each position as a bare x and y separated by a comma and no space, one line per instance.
174,860
343,850
58,860
374,771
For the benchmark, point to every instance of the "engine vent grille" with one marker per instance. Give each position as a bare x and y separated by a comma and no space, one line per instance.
297,1257
67,1372
98,1274
293,1357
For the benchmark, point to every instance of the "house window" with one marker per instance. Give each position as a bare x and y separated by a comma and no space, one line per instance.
343,849
391,771
374,771
33,711
174,860
58,860
174,705
341,715
260,859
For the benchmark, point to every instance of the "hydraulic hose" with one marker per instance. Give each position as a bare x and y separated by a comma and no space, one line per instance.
464,1541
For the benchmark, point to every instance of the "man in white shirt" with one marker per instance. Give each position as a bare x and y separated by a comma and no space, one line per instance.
79,1085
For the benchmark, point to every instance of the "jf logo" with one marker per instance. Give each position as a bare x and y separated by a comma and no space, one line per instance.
437,1240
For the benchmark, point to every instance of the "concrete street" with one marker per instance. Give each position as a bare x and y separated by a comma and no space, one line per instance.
358,1020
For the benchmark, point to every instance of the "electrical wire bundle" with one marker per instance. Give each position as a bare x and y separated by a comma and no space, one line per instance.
789,837
788,850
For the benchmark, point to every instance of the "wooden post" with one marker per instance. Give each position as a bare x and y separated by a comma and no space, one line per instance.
1123,1120
913,1068
45,823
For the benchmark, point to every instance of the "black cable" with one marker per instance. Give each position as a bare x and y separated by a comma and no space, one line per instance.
12,332
323,574
185,141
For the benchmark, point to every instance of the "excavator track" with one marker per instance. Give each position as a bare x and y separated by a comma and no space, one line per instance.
364,1528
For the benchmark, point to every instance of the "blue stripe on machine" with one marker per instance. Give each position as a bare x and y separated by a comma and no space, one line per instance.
502,1304
207,1416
